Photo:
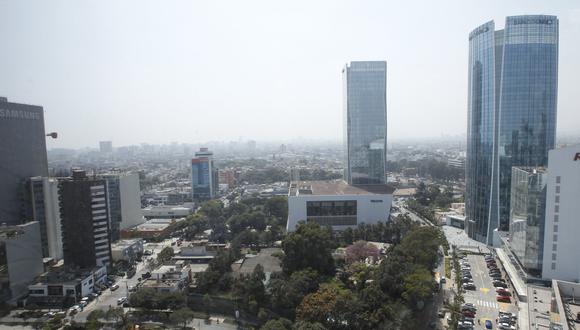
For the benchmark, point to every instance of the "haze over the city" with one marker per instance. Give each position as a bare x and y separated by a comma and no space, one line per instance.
189,71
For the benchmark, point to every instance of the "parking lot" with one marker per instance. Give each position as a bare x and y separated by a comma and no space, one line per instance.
484,296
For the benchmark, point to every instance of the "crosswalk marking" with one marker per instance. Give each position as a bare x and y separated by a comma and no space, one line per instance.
484,303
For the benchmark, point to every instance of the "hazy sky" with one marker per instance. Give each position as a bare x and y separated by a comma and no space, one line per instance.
191,71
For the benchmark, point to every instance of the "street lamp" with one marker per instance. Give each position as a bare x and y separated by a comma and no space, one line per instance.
53,135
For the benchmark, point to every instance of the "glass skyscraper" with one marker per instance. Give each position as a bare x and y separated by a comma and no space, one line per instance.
365,122
513,76
204,180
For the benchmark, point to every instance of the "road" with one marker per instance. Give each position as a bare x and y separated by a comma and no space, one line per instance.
109,298
412,215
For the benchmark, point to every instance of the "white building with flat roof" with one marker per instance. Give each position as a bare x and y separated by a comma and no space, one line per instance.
337,204
561,259
166,212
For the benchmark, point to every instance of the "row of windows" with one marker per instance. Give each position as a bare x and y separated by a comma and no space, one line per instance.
334,221
556,219
331,208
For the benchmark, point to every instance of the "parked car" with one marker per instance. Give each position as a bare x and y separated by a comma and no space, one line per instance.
121,300
114,287
488,324
469,308
503,293
505,299
469,286
468,314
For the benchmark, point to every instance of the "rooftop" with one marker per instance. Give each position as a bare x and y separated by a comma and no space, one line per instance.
567,304
125,243
265,258
336,187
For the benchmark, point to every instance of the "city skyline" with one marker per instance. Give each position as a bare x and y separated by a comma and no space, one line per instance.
149,67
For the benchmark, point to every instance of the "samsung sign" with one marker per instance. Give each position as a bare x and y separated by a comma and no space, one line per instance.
531,20
19,114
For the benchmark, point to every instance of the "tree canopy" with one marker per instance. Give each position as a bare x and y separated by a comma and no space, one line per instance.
310,246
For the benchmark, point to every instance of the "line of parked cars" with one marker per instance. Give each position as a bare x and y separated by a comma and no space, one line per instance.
466,277
467,320
500,285
507,321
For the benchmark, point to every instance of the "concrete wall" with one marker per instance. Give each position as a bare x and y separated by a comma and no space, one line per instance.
52,216
367,212
562,234
130,191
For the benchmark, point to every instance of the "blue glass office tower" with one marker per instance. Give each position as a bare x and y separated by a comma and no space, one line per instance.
513,83
365,122
204,180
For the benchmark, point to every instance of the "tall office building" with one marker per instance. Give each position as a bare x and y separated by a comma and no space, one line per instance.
204,175
124,201
46,210
22,155
106,146
561,260
527,217
85,221
365,122
513,76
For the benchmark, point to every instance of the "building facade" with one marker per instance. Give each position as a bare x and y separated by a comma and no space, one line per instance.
46,210
124,201
561,260
527,217
22,155
365,122
64,287
337,204
85,221
128,250
204,175
512,89
20,259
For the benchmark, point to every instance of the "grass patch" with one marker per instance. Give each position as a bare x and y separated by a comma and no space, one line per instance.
447,267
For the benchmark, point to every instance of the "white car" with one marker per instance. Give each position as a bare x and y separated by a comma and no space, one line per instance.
121,300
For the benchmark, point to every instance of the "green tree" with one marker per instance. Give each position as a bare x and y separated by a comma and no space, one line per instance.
303,325
332,305
278,208
213,209
181,316
165,255
279,324
418,288
96,314
116,314
309,246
